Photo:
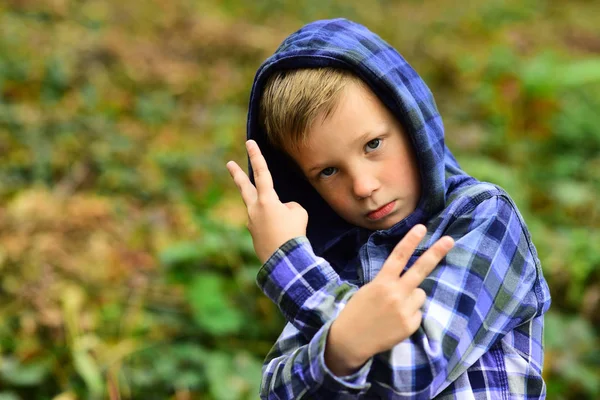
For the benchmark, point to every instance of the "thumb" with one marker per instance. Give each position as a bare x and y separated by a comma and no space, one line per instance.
292,205
298,211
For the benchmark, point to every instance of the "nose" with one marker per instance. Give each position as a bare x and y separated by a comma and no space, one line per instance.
364,184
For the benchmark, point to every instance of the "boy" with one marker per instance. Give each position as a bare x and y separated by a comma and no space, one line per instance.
363,202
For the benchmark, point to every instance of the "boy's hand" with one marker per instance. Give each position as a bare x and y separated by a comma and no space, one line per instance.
385,311
270,222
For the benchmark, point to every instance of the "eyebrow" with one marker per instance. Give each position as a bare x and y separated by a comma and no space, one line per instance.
379,131
317,167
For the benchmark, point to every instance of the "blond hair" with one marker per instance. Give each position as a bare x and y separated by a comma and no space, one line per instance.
293,99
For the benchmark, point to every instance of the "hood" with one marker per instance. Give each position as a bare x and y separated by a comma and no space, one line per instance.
344,44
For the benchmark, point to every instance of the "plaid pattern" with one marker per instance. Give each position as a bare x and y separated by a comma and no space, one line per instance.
481,335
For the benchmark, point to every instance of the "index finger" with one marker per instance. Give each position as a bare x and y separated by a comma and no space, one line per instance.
262,175
426,263
395,263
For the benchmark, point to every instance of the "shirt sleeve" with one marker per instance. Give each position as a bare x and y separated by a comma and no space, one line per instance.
486,286
304,287
295,368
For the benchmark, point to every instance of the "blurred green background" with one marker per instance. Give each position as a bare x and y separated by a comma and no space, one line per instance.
126,270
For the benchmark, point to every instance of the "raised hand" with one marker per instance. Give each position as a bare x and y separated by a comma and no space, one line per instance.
385,311
270,222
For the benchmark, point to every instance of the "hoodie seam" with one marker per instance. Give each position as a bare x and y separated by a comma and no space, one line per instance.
480,198
536,287
498,353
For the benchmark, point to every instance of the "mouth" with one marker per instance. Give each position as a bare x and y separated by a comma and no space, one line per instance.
382,211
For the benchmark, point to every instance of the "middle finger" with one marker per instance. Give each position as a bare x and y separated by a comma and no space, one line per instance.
262,175
246,188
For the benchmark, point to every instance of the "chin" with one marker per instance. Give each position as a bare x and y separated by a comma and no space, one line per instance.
378,225
386,223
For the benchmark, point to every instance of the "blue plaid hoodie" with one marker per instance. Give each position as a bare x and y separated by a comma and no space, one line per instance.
481,334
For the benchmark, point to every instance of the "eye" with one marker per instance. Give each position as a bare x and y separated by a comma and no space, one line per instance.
373,145
327,172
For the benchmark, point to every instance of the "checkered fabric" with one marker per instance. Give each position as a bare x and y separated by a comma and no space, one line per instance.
482,329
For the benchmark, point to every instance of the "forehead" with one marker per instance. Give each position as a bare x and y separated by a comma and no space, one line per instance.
357,117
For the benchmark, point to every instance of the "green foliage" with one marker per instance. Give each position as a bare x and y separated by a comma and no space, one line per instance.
31,374
124,263
212,312
575,367
190,367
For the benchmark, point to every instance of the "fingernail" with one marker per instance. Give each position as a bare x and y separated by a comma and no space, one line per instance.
420,229
448,242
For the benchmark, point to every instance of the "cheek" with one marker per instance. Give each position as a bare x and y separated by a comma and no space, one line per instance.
395,177
400,173
336,200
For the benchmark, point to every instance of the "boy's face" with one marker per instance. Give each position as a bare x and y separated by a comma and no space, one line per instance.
361,161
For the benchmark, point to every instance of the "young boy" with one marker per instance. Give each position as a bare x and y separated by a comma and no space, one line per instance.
400,275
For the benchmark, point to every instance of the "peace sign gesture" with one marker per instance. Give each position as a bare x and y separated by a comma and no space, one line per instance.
270,222
385,311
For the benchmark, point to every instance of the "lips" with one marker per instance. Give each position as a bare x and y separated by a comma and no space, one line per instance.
382,211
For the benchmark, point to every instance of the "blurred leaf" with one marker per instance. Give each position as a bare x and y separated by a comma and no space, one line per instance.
585,376
173,366
29,374
9,396
540,76
87,368
65,396
250,370
545,74
233,377
210,305
573,194
558,326
181,253
569,358
581,72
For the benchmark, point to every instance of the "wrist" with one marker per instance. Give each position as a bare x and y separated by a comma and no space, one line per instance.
343,357
265,253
